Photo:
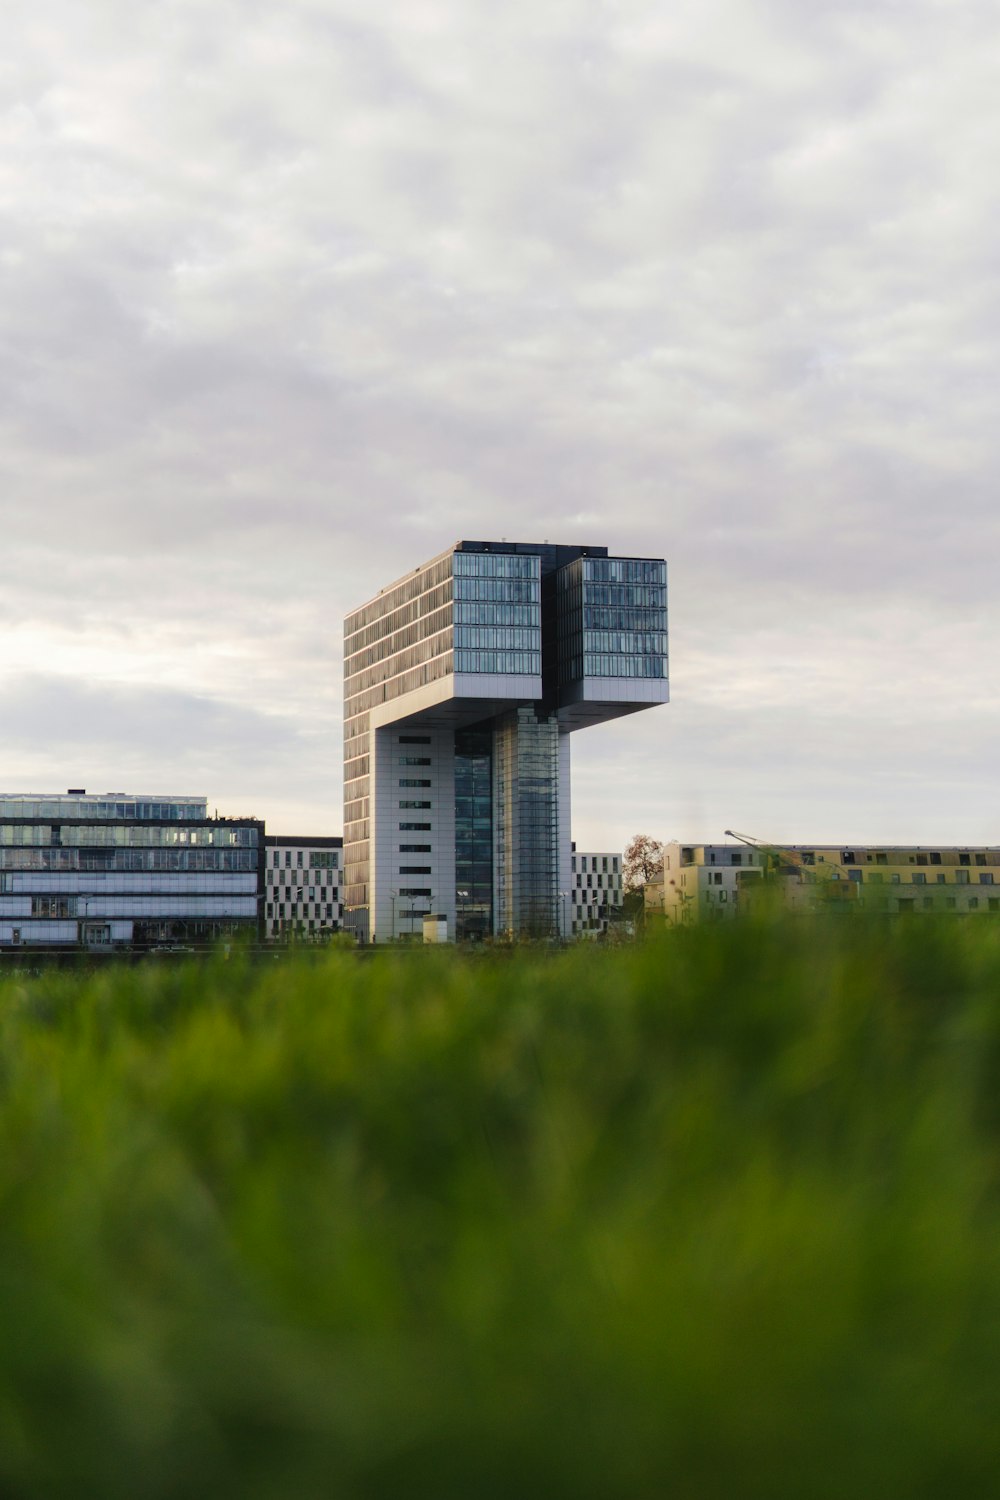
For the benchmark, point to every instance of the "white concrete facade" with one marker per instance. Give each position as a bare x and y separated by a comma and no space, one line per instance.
595,892
303,897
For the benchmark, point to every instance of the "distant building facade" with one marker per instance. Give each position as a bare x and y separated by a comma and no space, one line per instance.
463,681
304,897
596,893
717,881
125,872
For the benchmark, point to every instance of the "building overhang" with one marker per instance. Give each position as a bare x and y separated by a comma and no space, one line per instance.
459,699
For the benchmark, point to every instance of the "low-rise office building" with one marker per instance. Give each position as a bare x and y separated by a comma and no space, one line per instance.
304,896
717,881
596,894
125,872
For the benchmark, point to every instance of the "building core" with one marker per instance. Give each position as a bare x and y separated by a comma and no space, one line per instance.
463,681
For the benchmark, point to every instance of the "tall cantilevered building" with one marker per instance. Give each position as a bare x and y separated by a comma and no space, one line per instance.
462,683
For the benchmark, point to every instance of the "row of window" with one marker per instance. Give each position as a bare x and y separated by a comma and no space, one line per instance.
625,642
498,590
414,781
66,807
595,665
625,595
123,836
319,859
406,802
180,861
308,878
326,909
498,637
496,565
521,663
624,570
623,617
484,612
606,862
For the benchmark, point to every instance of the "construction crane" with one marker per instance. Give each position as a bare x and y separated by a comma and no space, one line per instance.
777,858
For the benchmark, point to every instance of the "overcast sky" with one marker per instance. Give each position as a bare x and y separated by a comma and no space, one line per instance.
293,295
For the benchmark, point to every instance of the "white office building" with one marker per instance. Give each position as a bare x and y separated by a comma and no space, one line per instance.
304,898
596,894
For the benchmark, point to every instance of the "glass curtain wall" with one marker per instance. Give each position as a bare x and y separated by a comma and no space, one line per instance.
526,799
498,627
474,834
612,618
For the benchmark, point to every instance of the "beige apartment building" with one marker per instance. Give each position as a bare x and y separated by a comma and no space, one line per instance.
715,882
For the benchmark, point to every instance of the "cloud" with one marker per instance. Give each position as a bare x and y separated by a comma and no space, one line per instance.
290,299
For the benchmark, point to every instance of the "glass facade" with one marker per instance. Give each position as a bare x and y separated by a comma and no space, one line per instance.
526,801
124,878
498,622
474,833
612,614
79,805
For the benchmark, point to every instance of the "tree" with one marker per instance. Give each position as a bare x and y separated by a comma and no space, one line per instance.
643,862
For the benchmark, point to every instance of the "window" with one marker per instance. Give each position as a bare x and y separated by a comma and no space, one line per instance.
986,878
935,859
941,879
413,781
973,903
415,805
415,827
736,857
414,739
411,890
928,903
414,760
414,869
961,877
980,859
950,903
414,848
919,878
964,858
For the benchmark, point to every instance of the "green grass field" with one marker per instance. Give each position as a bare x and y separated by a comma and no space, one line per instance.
714,1217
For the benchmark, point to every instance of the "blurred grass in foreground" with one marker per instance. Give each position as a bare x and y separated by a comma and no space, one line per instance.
716,1217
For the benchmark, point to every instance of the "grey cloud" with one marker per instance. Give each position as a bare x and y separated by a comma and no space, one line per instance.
291,298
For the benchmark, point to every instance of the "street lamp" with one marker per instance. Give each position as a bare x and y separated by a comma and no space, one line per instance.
562,907
463,897
392,931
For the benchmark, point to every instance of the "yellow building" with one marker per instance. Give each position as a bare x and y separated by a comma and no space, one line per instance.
717,881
